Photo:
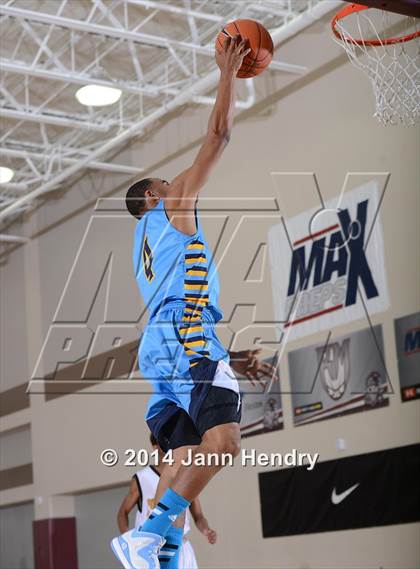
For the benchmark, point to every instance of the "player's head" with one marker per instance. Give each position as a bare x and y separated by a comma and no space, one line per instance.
144,195
153,441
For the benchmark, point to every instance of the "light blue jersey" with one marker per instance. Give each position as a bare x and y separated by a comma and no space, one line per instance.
179,350
172,266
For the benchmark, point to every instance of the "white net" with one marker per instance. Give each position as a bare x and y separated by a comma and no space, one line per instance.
393,68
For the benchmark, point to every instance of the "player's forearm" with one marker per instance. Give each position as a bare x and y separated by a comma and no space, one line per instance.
221,118
122,521
200,520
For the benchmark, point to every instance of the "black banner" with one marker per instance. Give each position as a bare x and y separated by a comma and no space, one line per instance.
375,489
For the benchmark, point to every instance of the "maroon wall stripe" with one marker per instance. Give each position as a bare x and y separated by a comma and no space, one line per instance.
55,543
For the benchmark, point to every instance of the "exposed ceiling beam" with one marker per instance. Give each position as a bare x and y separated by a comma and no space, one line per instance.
287,67
14,186
273,11
94,165
22,68
12,238
149,91
176,10
48,118
116,33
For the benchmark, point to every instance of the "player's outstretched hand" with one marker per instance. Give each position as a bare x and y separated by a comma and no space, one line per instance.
230,58
249,364
203,527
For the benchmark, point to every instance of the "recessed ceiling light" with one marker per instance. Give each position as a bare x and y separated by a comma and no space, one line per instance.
6,174
97,95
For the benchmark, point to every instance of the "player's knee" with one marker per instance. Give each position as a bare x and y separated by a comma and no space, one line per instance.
224,439
227,447
232,446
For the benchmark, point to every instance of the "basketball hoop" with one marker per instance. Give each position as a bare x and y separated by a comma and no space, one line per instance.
391,63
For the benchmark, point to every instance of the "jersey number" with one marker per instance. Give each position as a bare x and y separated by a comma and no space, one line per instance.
148,261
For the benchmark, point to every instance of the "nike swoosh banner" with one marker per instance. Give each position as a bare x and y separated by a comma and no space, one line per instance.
297,501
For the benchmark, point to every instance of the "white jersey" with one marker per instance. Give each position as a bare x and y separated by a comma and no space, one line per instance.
187,558
147,481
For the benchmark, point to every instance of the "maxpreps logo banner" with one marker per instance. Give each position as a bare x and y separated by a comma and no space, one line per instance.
333,271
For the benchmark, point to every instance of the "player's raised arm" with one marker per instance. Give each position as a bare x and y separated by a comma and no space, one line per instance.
188,183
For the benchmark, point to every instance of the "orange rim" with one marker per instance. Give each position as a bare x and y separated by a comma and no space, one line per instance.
354,9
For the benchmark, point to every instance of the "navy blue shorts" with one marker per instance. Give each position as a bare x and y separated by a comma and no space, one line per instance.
219,407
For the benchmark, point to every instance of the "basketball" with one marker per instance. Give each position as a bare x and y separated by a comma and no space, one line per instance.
260,42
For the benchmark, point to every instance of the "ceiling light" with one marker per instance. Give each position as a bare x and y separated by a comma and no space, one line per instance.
97,95
6,174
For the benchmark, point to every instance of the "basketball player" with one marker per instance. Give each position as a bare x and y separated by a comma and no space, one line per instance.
142,492
196,402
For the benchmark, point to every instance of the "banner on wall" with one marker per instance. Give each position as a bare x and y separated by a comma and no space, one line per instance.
261,407
338,376
407,338
325,259
375,489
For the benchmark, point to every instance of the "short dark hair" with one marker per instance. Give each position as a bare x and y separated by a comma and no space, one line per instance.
153,440
134,199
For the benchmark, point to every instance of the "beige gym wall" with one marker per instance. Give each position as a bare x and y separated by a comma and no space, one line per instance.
323,124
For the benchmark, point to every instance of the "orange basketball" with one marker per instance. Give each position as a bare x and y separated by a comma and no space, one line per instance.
259,40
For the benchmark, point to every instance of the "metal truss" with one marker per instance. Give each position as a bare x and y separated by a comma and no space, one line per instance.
159,53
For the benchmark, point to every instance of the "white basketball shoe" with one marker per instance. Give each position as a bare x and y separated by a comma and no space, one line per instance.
138,550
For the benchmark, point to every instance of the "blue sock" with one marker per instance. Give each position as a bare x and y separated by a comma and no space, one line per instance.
165,513
169,554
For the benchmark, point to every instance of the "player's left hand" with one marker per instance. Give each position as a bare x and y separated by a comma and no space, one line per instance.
203,527
249,364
